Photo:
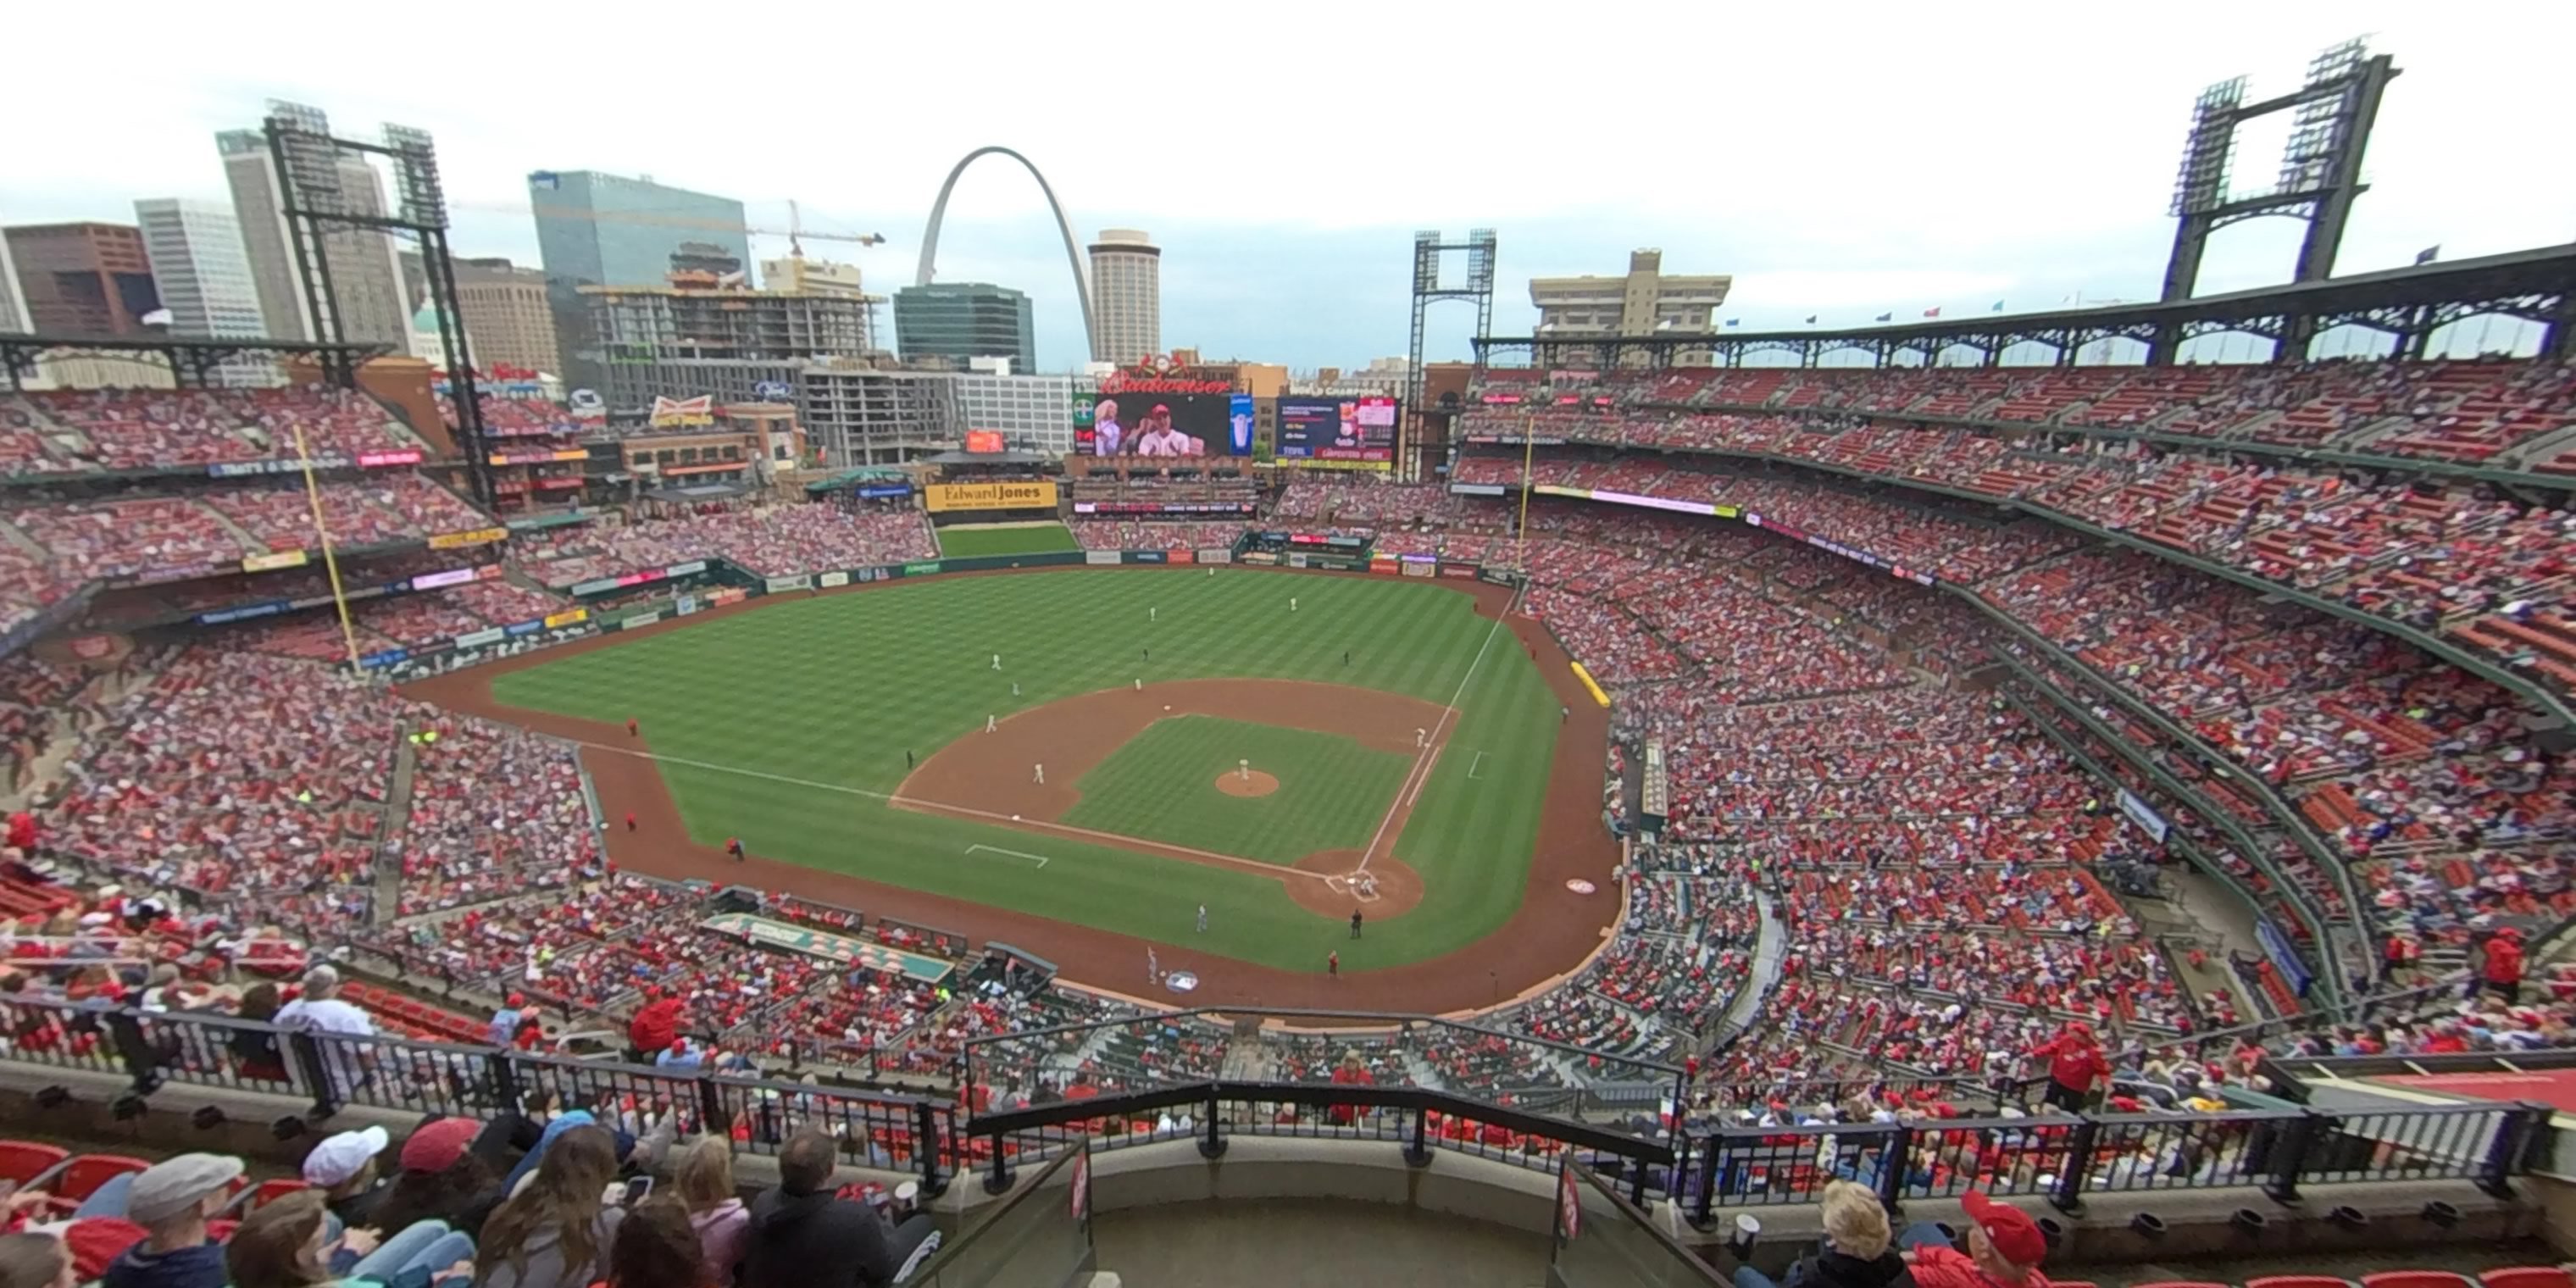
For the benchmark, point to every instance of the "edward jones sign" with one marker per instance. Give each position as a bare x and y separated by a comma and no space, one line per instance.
943,497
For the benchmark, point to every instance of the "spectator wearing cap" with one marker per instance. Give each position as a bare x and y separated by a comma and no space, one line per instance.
172,1200
1858,1250
2502,970
442,1179
343,1167
2005,1247
2074,1063
505,1022
320,1011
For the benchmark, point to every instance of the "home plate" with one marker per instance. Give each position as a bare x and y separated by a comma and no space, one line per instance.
1038,859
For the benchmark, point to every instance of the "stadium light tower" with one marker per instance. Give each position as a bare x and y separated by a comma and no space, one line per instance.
1429,288
2320,170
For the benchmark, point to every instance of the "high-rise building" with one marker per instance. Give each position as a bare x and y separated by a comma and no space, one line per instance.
83,279
597,229
667,342
13,304
1643,302
1126,296
505,315
365,266
858,413
961,320
200,268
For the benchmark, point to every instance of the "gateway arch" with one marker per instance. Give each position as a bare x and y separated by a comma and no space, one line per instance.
1072,252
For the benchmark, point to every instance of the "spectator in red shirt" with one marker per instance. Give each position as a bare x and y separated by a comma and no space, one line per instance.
655,1027
2005,1248
2503,971
2074,1061
22,832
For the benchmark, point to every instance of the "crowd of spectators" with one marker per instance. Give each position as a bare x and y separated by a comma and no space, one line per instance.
774,541
87,431
1129,534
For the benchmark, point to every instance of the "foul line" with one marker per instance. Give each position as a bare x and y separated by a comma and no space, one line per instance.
1421,771
1136,844
1471,765
1017,854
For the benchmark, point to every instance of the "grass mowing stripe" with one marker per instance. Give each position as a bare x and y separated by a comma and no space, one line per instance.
835,689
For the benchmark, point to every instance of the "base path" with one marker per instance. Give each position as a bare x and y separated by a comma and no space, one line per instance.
1553,933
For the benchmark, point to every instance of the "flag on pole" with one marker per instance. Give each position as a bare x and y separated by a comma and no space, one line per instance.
1811,319
1886,317
1932,312
1733,321
2429,253
1998,308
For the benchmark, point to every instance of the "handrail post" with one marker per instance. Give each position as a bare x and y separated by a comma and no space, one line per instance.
1895,1166
711,1106
2290,1156
999,1180
504,1072
1417,1152
141,1060
1707,1197
1212,1145
2078,1162
317,1074
927,1140
2512,1140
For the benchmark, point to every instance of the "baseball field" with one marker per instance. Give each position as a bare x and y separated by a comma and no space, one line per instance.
1077,761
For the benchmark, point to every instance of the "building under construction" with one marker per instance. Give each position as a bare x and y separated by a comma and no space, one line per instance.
682,341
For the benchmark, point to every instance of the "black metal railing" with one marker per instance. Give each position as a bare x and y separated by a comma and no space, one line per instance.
1416,1120
157,1049
1605,1241
1040,1234
2063,1157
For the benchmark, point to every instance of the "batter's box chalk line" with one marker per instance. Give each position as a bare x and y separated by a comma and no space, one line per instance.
1358,885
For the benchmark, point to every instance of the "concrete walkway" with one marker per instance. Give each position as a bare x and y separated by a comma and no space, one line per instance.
1311,1243
1766,969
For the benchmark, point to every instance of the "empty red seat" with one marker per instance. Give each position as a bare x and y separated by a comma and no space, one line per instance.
2527,1277
2298,1281
23,1161
83,1175
2415,1279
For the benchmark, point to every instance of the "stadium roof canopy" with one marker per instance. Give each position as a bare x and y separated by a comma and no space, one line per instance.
2537,285
191,358
990,458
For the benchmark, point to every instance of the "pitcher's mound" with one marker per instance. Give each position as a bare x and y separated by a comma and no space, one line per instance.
1233,783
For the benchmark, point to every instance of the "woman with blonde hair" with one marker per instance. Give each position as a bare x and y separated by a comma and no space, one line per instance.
1857,1251
715,1210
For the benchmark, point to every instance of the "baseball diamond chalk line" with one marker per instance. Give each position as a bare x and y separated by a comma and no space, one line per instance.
1017,854
1471,766
963,811
1430,752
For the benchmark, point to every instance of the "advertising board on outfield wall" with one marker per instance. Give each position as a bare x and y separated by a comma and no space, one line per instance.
1214,556
942,498
1099,557
833,579
777,584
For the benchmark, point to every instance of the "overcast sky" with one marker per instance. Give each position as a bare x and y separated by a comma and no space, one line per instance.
1838,160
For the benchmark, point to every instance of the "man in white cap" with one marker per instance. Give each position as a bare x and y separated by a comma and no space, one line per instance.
172,1199
343,1167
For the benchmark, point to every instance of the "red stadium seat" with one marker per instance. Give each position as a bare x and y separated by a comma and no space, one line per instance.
2298,1281
2415,1279
24,1161
2527,1277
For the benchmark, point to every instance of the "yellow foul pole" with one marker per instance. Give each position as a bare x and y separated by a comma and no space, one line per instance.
330,561
1520,552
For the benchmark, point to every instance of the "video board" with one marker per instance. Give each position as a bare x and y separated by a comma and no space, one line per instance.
1337,429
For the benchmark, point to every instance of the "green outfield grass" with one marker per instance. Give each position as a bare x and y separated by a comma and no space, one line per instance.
1162,786
1033,539
798,715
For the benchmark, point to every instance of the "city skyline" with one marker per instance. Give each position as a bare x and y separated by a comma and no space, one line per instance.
1809,177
